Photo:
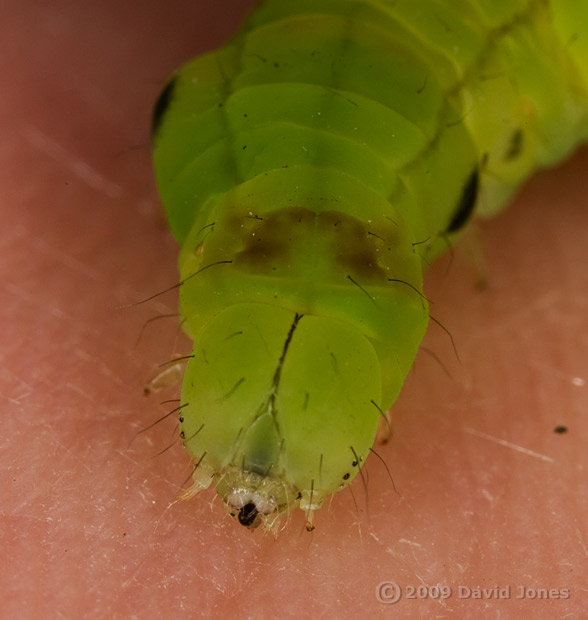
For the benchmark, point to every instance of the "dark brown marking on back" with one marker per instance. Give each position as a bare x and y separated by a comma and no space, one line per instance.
279,240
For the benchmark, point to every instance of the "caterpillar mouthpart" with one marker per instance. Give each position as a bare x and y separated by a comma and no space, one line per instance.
256,499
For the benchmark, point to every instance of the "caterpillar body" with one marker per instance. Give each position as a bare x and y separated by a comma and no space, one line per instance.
311,169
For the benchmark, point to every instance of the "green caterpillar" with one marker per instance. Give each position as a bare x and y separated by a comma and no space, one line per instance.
310,169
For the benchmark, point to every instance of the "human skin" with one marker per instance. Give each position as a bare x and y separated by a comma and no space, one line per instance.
487,494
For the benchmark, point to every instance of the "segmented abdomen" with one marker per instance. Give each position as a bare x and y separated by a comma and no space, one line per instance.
334,146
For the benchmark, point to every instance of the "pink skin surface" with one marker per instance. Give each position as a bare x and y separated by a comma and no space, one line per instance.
488,494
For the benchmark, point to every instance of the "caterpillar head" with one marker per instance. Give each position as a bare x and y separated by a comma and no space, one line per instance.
279,410
255,499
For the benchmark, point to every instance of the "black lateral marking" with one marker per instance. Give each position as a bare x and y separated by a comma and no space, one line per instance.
161,105
515,146
466,204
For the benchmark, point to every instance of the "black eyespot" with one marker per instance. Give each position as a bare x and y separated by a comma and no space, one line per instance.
161,106
466,205
248,514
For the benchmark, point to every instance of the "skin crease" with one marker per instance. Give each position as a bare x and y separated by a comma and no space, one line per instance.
85,519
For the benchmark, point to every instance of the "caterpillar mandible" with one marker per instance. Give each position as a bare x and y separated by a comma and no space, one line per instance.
311,169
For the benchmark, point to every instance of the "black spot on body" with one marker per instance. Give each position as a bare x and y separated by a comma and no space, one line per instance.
466,204
346,477
560,430
248,514
161,105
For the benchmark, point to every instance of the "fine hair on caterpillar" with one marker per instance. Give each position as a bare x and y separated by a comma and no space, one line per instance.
311,170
